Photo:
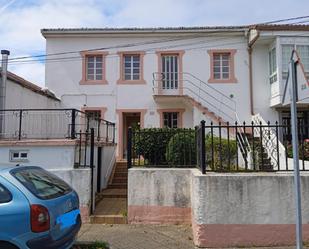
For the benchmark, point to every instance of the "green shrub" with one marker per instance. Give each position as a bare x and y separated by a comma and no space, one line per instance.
228,153
151,143
303,150
181,149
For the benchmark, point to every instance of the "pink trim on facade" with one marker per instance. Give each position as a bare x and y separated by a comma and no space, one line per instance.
158,215
121,79
101,109
246,235
180,54
120,113
39,142
84,80
232,78
180,117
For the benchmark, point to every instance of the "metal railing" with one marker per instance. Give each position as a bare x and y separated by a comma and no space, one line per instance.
218,147
202,92
19,124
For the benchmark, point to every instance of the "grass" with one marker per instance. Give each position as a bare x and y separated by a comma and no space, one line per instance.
94,245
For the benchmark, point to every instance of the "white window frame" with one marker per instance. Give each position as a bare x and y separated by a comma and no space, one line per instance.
220,73
19,158
95,67
272,65
131,67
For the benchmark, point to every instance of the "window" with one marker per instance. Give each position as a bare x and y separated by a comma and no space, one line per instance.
222,66
170,71
5,195
303,52
93,71
170,119
19,156
272,65
94,67
41,183
131,67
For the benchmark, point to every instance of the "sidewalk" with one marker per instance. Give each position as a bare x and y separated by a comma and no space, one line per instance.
142,236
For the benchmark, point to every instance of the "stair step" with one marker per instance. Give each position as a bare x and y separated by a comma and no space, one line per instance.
118,186
120,180
120,170
120,174
108,219
115,193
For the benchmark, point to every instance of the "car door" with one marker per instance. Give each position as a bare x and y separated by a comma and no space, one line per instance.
14,212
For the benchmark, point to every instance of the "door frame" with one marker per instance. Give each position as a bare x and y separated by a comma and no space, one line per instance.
120,113
180,54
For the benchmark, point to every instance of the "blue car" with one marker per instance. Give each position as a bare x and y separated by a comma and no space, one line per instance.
37,209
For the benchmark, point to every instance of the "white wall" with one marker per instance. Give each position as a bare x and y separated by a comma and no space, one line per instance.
65,82
261,84
20,97
48,157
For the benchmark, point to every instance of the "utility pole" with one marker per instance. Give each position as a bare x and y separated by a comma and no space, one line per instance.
4,67
293,94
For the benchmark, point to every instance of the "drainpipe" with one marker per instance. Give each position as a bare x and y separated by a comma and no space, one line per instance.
4,65
250,50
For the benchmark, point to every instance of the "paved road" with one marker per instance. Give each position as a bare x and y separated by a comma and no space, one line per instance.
142,236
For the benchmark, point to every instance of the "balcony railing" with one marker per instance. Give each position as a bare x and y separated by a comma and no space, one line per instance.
19,124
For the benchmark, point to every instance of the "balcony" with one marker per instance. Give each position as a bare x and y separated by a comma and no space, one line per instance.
187,88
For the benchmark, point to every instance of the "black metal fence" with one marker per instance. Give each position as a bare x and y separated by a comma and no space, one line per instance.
18,124
222,148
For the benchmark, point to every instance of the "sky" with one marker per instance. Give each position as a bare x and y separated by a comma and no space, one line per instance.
22,20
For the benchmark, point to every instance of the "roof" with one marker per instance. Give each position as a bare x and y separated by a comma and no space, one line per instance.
280,27
107,30
133,30
29,85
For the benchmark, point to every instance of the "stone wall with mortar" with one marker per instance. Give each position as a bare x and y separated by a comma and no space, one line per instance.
246,209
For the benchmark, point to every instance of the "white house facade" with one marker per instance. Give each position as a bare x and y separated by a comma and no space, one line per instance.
175,77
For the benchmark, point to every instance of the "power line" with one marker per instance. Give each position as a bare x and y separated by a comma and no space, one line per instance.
183,37
111,56
283,20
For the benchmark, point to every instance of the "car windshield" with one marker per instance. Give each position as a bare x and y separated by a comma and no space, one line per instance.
41,183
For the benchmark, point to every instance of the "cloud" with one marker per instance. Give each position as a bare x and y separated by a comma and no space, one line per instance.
23,19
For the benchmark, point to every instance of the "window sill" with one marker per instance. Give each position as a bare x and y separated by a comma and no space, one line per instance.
93,82
131,82
232,80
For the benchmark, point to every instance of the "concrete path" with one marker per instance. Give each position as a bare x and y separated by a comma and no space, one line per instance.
142,236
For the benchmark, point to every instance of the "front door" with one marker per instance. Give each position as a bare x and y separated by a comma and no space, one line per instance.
130,120
170,77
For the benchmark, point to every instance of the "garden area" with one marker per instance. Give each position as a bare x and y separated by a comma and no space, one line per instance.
165,147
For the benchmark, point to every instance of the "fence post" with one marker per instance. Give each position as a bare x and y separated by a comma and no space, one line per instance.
92,167
20,124
114,128
129,148
73,115
203,152
107,132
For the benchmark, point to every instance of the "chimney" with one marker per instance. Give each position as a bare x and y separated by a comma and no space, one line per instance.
4,67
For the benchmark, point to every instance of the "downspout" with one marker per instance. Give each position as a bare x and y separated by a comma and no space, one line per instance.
4,64
250,49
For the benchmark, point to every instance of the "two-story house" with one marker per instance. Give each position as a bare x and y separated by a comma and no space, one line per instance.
175,77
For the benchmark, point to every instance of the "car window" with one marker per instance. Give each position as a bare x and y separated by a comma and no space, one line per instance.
5,195
41,183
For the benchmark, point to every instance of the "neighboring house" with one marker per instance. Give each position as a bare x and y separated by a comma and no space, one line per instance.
36,130
175,77
21,93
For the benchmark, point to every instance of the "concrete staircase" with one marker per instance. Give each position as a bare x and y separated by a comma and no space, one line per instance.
111,203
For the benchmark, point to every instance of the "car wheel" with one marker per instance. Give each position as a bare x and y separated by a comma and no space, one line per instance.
7,245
